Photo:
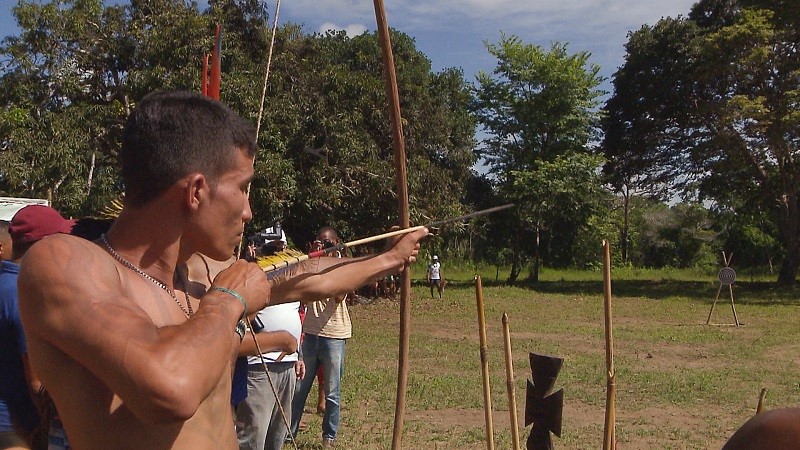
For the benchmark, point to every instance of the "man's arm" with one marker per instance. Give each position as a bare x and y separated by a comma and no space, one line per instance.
268,341
329,277
71,297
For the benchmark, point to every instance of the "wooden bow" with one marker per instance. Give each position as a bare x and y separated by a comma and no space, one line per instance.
402,203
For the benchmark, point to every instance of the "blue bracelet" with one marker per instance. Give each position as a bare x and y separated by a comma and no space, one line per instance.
235,295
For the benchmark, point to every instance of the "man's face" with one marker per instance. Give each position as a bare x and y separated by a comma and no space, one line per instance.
329,236
6,246
228,210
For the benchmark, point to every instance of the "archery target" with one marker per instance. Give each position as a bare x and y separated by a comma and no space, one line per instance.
727,276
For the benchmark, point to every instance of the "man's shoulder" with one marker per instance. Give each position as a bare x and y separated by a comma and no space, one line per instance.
64,258
61,243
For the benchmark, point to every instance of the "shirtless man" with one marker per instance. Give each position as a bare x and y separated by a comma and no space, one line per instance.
108,322
773,429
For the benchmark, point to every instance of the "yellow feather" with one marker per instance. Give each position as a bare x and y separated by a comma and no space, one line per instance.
111,210
280,259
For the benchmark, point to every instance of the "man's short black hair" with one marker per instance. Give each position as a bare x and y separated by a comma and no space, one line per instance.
328,230
173,133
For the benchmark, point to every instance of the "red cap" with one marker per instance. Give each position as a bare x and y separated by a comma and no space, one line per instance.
35,222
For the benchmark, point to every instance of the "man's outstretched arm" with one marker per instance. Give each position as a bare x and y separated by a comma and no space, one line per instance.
330,277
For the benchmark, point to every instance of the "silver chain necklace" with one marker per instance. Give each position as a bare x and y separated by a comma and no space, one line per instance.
189,312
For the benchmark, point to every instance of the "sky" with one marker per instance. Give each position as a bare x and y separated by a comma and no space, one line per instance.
452,32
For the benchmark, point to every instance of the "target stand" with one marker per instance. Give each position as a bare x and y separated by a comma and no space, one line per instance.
726,277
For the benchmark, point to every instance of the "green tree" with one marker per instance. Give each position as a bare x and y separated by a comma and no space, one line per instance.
537,107
750,236
328,120
78,67
678,236
559,202
70,79
708,105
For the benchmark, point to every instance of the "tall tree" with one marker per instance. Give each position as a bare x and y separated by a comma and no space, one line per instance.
328,121
70,79
558,201
708,105
536,106
78,67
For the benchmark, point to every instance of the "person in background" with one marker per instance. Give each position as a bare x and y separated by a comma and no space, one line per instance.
249,250
316,246
19,417
5,241
326,329
435,276
259,422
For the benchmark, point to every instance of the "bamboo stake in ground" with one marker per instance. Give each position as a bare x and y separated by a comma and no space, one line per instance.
609,437
512,398
761,397
487,394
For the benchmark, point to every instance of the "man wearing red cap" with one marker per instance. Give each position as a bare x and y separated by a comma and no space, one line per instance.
18,415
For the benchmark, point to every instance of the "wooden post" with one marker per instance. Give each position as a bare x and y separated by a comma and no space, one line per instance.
487,394
512,398
733,308
402,202
719,289
609,437
761,397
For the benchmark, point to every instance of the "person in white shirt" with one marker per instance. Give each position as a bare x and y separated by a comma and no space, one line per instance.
259,425
435,276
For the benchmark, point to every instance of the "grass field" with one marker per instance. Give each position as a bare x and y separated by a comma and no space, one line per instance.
680,383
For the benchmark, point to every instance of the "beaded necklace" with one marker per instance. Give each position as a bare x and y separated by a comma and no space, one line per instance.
189,312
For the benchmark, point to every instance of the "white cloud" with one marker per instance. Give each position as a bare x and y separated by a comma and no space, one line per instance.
354,29
451,32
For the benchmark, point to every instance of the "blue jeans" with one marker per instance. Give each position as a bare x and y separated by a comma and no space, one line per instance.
329,353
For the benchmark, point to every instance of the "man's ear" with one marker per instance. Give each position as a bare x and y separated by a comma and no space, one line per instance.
196,190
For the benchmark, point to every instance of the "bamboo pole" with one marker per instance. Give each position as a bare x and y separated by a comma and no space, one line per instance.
761,397
512,398
609,437
733,308
402,203
487,394
266,72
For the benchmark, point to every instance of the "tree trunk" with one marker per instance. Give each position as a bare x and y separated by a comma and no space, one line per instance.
791,237
536,260
790,266
516,267
626,204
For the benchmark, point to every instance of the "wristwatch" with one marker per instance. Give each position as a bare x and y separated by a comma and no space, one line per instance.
241,328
